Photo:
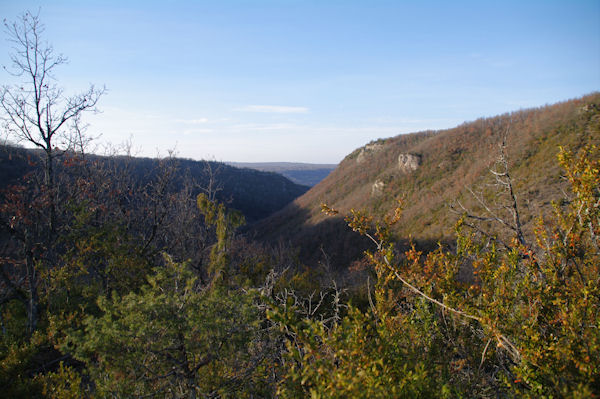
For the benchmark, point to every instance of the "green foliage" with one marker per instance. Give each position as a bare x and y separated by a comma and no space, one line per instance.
17,362
225,222
173,338
559,312
65,383
362,357
100,258
528,326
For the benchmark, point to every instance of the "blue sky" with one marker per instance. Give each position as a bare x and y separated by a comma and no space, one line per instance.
310,81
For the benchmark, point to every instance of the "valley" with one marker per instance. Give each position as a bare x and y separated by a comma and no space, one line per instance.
300,173
414,246
437,259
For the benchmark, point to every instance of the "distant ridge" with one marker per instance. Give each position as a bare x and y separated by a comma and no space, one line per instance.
306,174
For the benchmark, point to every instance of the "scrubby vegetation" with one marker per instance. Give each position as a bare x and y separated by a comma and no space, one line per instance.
116,321
112,286
526,327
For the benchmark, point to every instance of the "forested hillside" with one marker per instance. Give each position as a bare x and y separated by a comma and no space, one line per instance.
439,175
256,194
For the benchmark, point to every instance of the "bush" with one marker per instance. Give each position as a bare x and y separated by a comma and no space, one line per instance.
528,326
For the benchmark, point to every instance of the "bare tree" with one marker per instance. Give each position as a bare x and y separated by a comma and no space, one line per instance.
36,110
503,209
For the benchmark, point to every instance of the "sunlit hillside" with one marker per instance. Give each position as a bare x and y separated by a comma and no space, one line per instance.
445,165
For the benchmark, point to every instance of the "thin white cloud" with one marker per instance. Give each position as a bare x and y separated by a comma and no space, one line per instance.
198,121
276,109
269,126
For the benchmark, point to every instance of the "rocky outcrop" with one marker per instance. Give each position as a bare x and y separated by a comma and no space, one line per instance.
377,188
409,162
367,150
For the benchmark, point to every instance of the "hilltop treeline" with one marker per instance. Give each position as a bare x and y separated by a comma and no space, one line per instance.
256,194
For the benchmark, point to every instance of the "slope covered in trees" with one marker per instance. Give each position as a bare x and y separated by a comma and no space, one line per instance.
445,166
256,194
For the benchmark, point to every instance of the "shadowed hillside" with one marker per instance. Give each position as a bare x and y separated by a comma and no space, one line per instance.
257,194
430,171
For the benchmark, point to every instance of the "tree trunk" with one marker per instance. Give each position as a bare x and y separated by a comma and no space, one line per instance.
49,186
33,300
